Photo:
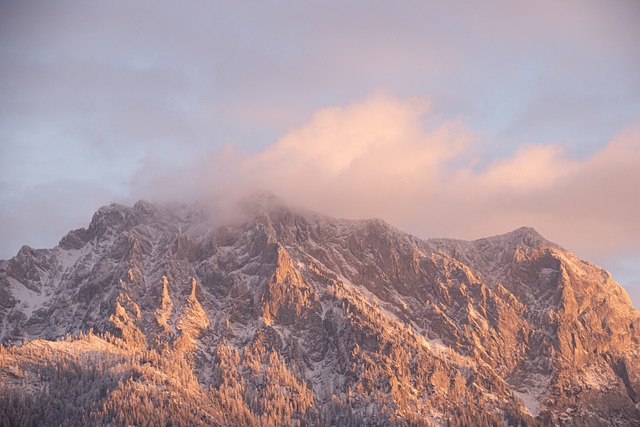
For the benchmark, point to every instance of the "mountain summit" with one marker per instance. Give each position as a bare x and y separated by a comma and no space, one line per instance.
166,315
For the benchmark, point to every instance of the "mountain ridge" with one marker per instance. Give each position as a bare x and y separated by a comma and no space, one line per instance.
513,325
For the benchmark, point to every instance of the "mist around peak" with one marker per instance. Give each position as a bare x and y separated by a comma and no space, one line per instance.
400,159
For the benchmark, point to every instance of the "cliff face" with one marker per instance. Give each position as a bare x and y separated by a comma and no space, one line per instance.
291,317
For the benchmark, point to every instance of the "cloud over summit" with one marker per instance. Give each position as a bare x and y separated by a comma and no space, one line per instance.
399,159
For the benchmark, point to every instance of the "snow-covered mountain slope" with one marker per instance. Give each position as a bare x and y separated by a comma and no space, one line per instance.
285,316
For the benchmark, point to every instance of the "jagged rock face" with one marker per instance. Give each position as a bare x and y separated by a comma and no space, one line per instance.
353,322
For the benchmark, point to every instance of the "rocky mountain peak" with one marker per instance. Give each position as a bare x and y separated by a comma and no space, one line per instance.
114,215
144,208
262,203
526,237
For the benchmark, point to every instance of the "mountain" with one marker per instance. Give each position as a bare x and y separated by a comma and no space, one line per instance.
167,315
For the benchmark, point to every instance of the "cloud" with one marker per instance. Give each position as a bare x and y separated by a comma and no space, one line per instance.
398,159
349,159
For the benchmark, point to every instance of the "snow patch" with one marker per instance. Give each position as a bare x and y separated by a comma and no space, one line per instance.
532,392
530,403
29,300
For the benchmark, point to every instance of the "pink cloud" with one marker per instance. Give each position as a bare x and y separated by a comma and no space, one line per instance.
351,161
398,159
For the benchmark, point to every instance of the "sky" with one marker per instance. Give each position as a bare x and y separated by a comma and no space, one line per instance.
447,119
